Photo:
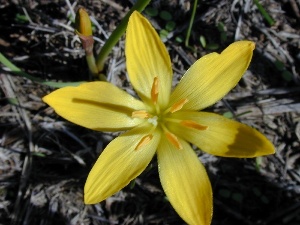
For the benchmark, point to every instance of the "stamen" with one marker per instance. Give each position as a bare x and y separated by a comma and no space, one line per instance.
193,124
173,139
178,105
154,90
144,141
143,114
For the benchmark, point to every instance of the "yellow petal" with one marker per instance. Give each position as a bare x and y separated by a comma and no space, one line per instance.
213,76
222,136
120,162
96,105
147,58
185,182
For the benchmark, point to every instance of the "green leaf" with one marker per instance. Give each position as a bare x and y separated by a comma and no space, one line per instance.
287,75
21,18
212,46
115,36
202,41
170,25
279,65
258,162
221,27
223,37
132,184
163,34
151,11
39,154
264,13
165,15
179,39
228,115
13,101
16,70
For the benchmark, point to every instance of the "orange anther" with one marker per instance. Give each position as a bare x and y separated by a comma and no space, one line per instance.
154,90
178,105
144,141
193,124
140,114
173,139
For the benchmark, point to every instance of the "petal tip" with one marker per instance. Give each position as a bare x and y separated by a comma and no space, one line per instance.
270,149
135,15
90,198
243,45
47,99
252,45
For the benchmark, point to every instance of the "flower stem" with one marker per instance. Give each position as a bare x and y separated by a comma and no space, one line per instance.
90,59
117,33
88,45
188,34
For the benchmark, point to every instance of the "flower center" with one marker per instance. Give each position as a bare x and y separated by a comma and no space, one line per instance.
158,119
153,120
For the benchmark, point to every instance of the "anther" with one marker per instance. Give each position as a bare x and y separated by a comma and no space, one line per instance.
193,124
178,105
140,114
144,141
173,139
154,90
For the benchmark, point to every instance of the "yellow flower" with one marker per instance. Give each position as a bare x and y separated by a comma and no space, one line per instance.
163,121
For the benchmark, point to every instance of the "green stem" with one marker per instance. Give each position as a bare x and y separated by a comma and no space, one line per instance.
264,13
88,46
117,33
16,70
90,59
188,34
